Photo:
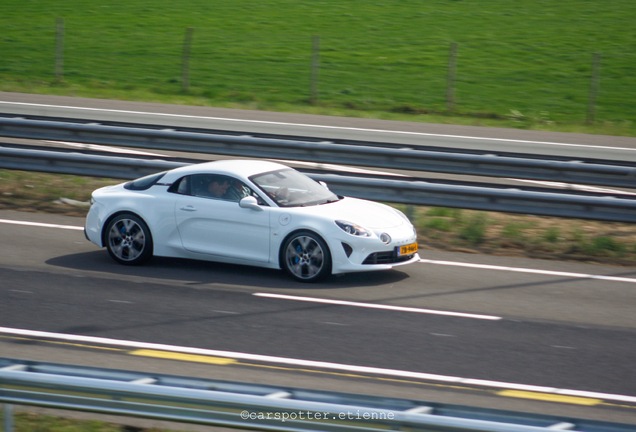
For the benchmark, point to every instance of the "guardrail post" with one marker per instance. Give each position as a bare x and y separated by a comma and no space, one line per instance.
8,418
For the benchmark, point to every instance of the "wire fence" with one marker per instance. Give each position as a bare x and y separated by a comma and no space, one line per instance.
530,84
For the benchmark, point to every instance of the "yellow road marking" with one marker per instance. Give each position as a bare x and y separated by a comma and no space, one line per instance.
548,397
185,357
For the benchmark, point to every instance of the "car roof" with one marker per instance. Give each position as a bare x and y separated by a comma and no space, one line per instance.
242,168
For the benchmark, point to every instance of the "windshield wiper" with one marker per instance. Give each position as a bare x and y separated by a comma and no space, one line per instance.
329,201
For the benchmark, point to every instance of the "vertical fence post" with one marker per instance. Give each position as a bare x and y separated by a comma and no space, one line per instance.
594,87
8,418
315,69
185,60
59,49
450,79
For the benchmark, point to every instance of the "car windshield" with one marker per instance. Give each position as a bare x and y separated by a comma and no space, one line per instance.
290,188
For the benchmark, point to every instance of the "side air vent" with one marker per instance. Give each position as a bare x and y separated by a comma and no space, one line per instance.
348,249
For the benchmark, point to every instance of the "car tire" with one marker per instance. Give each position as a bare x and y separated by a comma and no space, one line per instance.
306,257
128,239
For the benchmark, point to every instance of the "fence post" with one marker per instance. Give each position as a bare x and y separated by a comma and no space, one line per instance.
59,49
315,69
185,60
594,87
450,79
8,418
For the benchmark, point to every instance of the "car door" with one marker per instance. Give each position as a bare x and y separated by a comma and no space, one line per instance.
218,226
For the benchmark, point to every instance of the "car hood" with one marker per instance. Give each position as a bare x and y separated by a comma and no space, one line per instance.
368,214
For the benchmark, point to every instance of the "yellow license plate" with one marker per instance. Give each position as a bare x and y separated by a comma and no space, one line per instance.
408,249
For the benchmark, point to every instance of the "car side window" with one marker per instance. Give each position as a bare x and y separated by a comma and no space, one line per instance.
181,186
213,186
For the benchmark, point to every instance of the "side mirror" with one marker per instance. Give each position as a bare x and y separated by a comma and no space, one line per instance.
323,184
249,202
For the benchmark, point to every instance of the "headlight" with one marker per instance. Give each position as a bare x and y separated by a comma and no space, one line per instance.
353,229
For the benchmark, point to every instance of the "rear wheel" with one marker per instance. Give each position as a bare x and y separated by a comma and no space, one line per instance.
306,257
128,239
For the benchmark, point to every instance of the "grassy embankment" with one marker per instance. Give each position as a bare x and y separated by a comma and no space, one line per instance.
35,422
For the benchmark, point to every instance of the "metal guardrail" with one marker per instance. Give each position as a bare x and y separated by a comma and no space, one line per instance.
255,407
413,158
512,200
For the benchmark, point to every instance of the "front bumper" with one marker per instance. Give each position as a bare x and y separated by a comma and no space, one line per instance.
349,267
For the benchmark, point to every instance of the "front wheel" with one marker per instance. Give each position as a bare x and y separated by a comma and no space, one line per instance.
128,239
306,257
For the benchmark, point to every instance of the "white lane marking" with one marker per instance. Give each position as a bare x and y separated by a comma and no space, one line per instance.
39,224
224,312
529,270
316,364
317,126
376,306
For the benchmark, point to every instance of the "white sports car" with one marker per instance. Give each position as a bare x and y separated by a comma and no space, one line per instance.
248,212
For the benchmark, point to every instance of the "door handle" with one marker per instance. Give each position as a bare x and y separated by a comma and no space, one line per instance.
188,208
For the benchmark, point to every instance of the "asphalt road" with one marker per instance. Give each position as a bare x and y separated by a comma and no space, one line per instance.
508,321
494,332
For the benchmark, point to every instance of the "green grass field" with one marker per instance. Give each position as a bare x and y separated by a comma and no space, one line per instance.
527,62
